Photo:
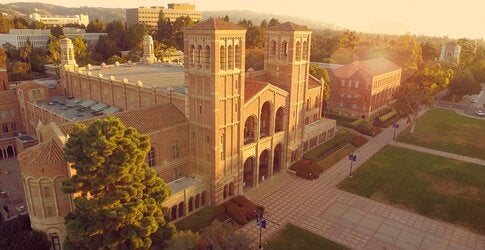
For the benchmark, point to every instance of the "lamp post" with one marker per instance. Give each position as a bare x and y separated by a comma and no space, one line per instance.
395,126
352,158
262,224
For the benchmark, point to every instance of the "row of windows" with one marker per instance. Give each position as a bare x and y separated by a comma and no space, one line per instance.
349,83
283,54
316,104
151,156
9,127
387,80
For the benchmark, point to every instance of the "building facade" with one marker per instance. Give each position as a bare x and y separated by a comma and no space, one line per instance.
227,130
150,15
363,89
450,52
60,20
39,37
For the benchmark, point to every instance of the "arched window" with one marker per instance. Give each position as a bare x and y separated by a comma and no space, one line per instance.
199,57
305,51
272,49
316,102
230,57
284,49
298,51
192,55
237,52
175,150
223,58
151,157
207,62
307,104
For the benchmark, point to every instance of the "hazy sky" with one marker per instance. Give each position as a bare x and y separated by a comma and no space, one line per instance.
464,18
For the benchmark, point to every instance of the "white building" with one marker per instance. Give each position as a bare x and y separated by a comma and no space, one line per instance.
60,20
39,37
450,52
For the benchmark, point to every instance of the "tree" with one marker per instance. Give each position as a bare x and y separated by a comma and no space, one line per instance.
118,203
406,52
134,36
254,37
20,23
420,90
164,28
80,48
264,24
54,49
429,52
273,22
465,84
38,59
5,24
468,52
106,47
18,235
255,58
96,26
226,18
37,25
225,236
349,40
57,32
116,32
25,52
321,73
3,58
183,240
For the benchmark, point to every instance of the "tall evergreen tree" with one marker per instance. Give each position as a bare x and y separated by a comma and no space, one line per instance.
118,203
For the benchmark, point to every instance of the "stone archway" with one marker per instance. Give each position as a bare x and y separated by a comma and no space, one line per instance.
181,209
277,158
197,201
278,126
173,212
191,204
10,151
248,178
263,165
265,120
249,129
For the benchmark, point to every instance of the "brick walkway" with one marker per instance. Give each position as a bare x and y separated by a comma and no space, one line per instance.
352,220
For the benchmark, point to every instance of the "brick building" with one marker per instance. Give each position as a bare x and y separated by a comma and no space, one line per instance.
363,89
215,129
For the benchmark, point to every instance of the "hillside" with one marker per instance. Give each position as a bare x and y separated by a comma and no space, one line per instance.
23,9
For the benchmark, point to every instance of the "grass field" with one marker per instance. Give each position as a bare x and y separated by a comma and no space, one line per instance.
433,186
293,237
445,130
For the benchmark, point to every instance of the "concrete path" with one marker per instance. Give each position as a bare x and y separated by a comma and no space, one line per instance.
348,219
439,153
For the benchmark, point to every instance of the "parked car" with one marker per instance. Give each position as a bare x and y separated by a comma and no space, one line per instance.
480,113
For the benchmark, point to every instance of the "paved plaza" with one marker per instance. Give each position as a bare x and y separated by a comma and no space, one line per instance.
11,189
351,220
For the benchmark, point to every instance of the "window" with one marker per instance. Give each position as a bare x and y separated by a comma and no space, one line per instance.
305,51
230,57
222,58
175,150
284,49
272,49
237,51
177,172
298,51
356,84
5,128
192,55
207,57
47,192
199,56
200,108
151,157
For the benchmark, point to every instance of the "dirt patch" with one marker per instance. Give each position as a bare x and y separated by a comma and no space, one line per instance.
450,188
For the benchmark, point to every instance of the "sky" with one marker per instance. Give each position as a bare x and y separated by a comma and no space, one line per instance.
464,18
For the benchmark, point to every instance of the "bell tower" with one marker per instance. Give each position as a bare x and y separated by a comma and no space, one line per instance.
214,80
286,62
148,51
68,61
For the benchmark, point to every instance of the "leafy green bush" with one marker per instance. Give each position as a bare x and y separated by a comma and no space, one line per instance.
323,150
359,141
307,169
387,116
356,123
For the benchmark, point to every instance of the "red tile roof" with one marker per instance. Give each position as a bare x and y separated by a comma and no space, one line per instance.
144,120
251,88
43,153
215,24
288,26
367,68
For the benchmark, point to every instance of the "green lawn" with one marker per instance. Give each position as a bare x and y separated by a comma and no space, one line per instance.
200,219
433,186
445,130
293,237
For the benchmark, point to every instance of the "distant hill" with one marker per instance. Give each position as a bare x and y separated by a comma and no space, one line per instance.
258,17
24,9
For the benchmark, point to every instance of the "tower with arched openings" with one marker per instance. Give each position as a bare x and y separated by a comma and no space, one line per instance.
214,79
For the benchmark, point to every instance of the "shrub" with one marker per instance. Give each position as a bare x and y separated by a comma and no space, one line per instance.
323,150
374,131
356,123
308,171
364,127
387,123
387,116
237,213
359,141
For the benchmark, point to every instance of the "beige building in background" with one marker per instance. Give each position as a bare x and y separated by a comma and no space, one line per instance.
150,15
60,20
215,128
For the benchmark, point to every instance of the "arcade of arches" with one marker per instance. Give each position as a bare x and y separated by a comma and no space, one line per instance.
265,123
7,151
265,166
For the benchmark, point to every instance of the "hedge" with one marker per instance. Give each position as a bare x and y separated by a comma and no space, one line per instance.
359,141
241,210
387,123
307,169
356,123
321,151
387,116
